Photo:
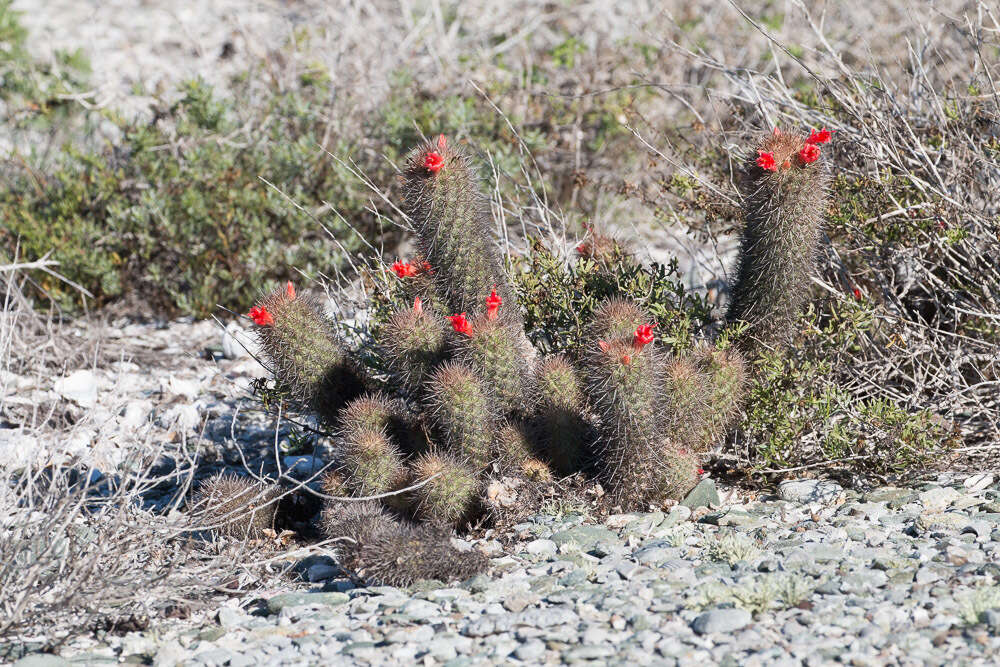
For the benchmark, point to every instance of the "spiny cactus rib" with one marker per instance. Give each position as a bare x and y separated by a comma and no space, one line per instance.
492,348
370,462
453,224
785,192
238,507
725,375
305,355
448,496
391,415
462,413
413,343
513,446
615,320
687,409
564,433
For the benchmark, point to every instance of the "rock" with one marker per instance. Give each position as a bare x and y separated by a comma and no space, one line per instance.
322,572
805,491
541,548
940,522
188,389
721,620
79,387
978,482
279,602
42,660
938,498
703,495
530,651
888,494
585,536
991,617
237,343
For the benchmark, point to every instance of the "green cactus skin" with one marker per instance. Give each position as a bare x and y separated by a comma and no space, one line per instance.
725,375
305,355
453,224
783,212
494,352
462,413
447,498
564,433
413,343
615,320
370,462
513,446
688,408
390,415
238,507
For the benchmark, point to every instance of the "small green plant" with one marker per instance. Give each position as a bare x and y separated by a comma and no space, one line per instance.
733,548
974,604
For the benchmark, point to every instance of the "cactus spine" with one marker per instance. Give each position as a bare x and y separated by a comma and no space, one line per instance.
463,413
238,507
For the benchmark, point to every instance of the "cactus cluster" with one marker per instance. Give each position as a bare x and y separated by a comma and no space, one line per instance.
474,402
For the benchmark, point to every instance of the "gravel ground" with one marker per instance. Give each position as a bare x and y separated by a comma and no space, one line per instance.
813,575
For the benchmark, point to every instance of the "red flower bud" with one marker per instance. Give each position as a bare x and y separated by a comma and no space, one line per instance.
626,359
820,137
261,317
418,305
290,291
460,324
493,303
442,142
766,161
809,153
857,294
433,162
603,345
404,269
643,336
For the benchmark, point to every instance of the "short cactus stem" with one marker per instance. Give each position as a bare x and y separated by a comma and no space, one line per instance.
564,432
492,348
236,506
381,413
785,191
616,320
688,409
462,413
449,490
370,463
304,352
725,376
406,554
413,343
513,446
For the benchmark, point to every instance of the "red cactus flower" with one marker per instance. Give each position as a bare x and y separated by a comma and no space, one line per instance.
809,153
442,142
766,161
460,324
820,137
626,359
290,291
418,305
433,162
404,269
857,294
701,471
261,317
582,248
493,303
643,336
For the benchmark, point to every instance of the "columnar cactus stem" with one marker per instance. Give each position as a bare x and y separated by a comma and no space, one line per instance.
492,349
449,494
305,355
725,375
452,220
463,413
785,192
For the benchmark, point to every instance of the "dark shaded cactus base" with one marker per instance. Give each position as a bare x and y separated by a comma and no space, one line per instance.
479,426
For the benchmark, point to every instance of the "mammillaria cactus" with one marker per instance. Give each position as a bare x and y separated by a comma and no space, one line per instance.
785,190
468,408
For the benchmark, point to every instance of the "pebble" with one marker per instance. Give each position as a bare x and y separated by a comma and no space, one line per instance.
721,620
811,491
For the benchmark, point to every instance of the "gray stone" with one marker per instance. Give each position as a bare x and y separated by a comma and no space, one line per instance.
806,491
42,660
703,495
530,651
721,620
279,602
585,536
541,548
